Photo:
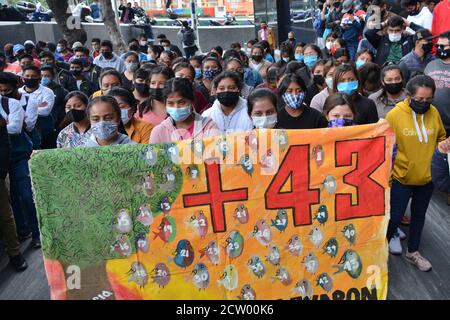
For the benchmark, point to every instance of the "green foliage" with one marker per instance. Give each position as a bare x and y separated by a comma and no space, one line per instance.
79,192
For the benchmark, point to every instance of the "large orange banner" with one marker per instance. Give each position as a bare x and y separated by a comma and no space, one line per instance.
269,214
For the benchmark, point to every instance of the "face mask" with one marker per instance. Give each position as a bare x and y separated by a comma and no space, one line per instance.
393,88
104,130
157,94
210,74
442,53
310,61
340,122
76,73
142,88
360,63
179,114
228,98
329,45
264,27
76,115
427,48
329,82
124,116
132,67
166,48
107,55
348,87
45,81
294,101
265,122
285,59
143,43
319,79
419,107
299,57
395,37
59,49
150,57
257,58
31,83
198,73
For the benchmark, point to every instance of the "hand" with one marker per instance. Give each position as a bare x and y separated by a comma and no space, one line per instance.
444,146
43,104
407,23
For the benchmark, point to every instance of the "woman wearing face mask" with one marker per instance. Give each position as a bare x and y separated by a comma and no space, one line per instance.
286,53
186,71
137,130
78,132
392,91
154,52
229,111
257,61
141,84
298,52
104,115
419,131
329,42
293,112
167,58
318,100
153,110
211,68
346,81
131,60
236,65
318,72
262,109
369,78
362,57
109,79
312,54
339,111
183,122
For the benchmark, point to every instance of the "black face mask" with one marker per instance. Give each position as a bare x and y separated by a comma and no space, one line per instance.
157,94
319,79
393,88
76,73
427,48
228,98
443,53
76,115
31,83
419,107
257,58
107,55
142,88
336,4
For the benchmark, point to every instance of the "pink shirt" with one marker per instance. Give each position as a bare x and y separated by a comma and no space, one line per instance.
151,118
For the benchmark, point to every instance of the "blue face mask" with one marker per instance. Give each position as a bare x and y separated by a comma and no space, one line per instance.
285,59
179,114
45,81
359,63
299,57
294,101
210,74
310,61
198,73
340,122
348,87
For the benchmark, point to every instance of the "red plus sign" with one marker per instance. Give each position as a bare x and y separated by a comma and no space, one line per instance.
215,197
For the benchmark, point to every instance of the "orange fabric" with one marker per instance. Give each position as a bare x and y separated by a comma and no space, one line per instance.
139,131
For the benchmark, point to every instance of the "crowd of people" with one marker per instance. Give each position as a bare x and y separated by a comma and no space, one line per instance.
61,96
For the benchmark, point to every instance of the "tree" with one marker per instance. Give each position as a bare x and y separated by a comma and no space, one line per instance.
112,26
70,26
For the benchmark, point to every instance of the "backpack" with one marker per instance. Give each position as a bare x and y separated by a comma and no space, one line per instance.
189,38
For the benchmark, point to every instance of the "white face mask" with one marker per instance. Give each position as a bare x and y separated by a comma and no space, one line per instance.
124,116
329,45
329,82
265,122
395,37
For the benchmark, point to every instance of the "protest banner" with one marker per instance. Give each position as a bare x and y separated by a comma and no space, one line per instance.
269,214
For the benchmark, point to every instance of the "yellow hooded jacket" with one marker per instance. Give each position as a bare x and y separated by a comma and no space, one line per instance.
417,138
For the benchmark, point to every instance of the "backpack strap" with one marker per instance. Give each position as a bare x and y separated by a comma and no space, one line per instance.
5,105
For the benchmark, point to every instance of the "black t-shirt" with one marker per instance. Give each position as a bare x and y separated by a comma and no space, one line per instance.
128,84
309,119
366,110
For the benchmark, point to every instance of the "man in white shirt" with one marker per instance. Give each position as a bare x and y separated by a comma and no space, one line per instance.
108,59
418,13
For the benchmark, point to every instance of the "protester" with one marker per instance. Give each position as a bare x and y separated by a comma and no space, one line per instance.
108,59
109,79
319,99
262,109
339,111
235,65
257,61
266,34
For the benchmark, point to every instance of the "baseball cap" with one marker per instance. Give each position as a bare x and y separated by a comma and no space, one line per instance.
423,34
18,47
29,42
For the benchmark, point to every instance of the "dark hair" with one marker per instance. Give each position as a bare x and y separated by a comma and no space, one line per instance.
170,54
287,80
197,58
338,99
293,66
341,52
445,35
96,40
63,42
383,74
33,68
233,60
218,49
29,48
110,72
369,72
213,55
46,54
131,53
9,79
77,62
231,75
300,44
364,51
319,63
134,48
252,42
236,46
231,54
141,73
46,67
181,86
258,46
156,49
340,70
418,82
179,60
184,65
286,47
105,99
80,95
126,95
25,56
272,73
51,46
84,50
395,21
106,43
260,94
406,3
265,44
213,60
165,40
315,48
164,70
149,66
161,36
132,40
